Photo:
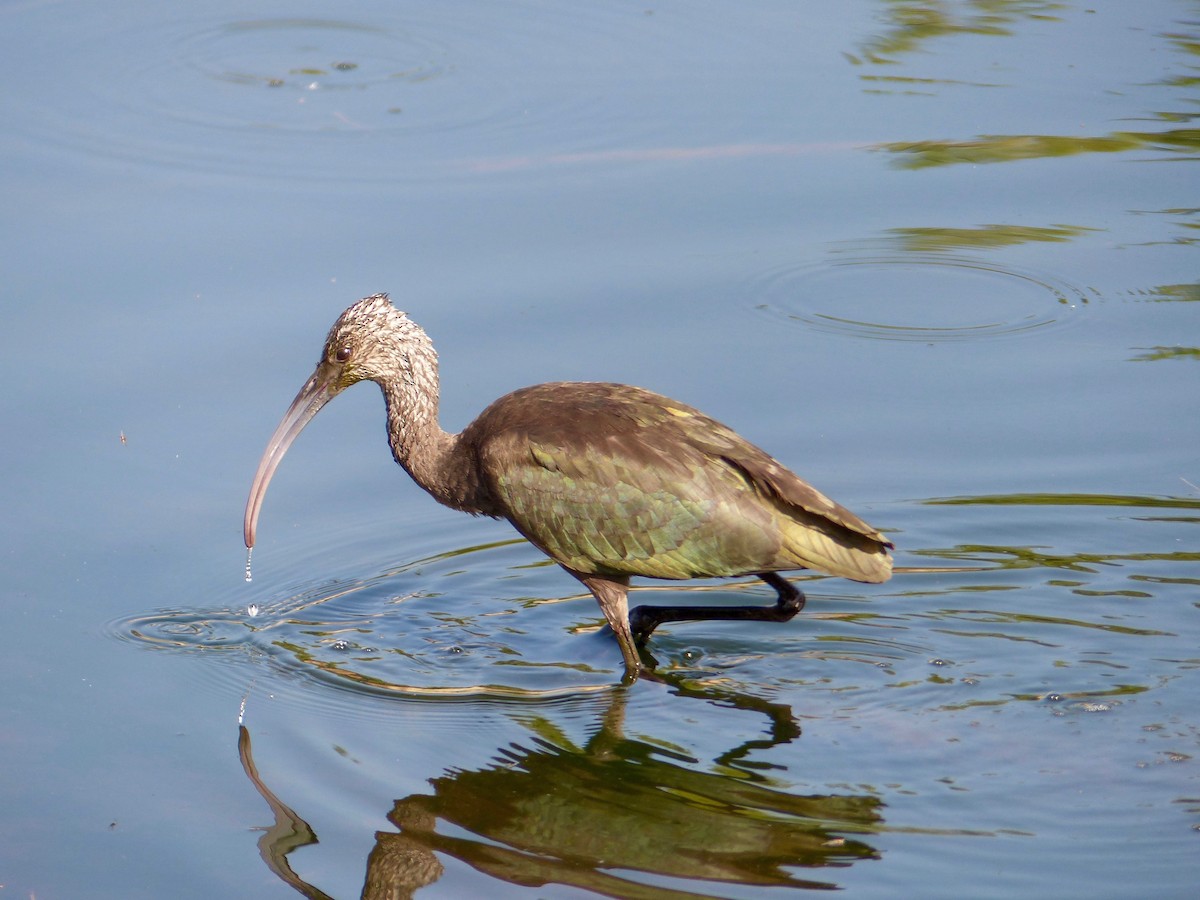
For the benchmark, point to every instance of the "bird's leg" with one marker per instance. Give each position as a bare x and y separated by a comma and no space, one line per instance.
611,594
644,619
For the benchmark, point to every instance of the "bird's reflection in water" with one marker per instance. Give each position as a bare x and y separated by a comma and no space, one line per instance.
290,831
595,816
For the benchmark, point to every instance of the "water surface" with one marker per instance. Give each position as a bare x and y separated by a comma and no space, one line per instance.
939,258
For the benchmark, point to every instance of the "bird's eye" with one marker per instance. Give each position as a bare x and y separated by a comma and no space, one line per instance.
343,354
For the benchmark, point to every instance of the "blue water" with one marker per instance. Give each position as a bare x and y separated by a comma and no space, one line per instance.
937,258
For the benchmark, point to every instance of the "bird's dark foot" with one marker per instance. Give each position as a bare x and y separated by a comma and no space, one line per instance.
644,619
791,598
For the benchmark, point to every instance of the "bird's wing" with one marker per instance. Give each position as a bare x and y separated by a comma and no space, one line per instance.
780,482
614,480
815,532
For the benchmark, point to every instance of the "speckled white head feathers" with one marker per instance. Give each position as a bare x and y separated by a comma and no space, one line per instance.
372,340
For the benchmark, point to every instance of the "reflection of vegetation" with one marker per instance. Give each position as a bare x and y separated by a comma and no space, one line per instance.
1066,500
1120,690
1157,353
932,240
1011,147
1000,617
1176,292
1188,43
913,85
1003,557
1188,219
911,24
1079,701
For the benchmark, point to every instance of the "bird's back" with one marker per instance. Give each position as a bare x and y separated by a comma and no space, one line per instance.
616,480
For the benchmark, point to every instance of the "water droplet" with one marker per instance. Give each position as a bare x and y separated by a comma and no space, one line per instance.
252,609
249,553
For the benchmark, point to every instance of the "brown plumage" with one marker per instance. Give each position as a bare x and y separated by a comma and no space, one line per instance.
609,480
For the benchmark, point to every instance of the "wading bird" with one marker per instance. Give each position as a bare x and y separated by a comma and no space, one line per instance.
608,480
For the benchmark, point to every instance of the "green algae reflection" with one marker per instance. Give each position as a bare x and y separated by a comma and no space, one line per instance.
911,25
997,148
982,237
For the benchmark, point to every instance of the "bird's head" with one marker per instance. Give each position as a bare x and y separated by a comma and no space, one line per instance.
370,341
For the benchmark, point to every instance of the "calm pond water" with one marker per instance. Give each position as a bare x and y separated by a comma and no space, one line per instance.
940,258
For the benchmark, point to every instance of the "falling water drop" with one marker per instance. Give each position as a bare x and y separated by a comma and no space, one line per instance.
249,553
245,700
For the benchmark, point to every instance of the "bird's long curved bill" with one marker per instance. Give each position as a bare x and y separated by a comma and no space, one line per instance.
318,391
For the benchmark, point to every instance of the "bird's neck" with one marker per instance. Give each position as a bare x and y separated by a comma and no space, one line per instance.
435,459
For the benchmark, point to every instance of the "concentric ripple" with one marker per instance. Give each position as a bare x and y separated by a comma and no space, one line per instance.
486,622
323,74
283,97
910,297
431,628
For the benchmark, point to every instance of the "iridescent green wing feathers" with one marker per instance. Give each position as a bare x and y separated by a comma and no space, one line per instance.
611,480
